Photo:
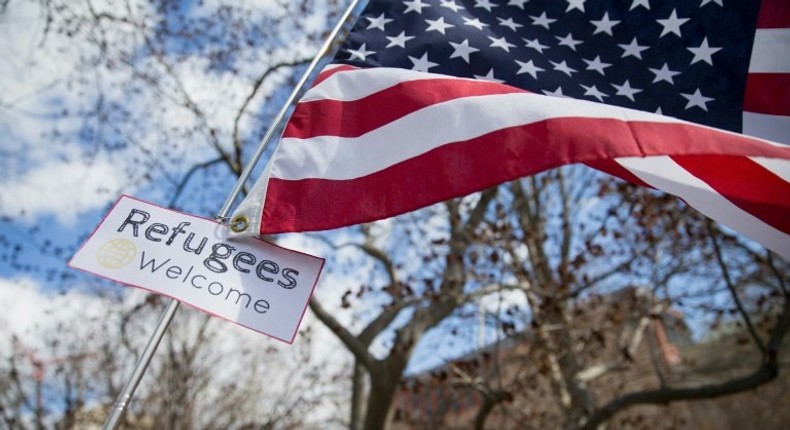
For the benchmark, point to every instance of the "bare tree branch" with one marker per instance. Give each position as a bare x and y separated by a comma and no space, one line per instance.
527,210
491,396
594,281
731,288
479,211
766,372
256,86
354,345
567,231
187,176
779,277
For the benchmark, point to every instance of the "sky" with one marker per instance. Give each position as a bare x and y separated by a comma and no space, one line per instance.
56,187
62,170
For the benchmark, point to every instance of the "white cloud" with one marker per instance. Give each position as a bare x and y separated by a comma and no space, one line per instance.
62,189
35,65
28,312
38,178
37,85
36,317
495,303
22,306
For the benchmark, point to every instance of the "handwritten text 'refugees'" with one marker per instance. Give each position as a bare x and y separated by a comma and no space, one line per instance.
219,260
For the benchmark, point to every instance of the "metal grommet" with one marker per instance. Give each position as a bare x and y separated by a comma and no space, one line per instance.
239,223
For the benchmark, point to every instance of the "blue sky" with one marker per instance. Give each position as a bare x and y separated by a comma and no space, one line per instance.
63,166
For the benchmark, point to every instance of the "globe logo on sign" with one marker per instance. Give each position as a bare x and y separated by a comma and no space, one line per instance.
116,253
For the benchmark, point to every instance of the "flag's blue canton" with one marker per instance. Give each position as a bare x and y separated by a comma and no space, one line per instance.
683,58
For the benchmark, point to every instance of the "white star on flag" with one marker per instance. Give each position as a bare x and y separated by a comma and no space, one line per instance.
422,64
575,4
632,49
529,67
474,23
596,64
415,6
489,77
664,74
438,25
697,99
592,91
562,67
672,24
542,20
704,52
509,23
378,22
604,25
450,4
625,90
361,53
569,41
399,40
501,43
485,4
535,44
462,50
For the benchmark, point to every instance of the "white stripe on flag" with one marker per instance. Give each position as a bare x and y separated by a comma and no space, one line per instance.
360,83
769,53
332,157
777,166
663,173
764,126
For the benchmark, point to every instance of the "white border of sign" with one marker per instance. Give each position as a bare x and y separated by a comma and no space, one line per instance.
247,281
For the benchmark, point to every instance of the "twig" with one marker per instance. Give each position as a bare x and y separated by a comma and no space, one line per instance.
731,287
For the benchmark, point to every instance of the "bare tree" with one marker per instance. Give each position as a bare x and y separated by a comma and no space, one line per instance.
604,283
430,299
599,263
561,241
175,97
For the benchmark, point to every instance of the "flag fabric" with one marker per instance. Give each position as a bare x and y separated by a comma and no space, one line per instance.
434,99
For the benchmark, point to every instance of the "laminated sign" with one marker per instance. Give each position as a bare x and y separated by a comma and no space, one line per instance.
244,280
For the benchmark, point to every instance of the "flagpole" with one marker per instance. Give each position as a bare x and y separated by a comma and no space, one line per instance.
331,42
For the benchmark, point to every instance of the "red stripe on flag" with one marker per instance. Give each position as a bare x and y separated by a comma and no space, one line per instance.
746,184
656,138
614,168
449,171
327,73
774,14
356,117
459,168
768,93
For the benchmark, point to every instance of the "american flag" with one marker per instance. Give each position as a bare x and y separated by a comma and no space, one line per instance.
439,98
687,59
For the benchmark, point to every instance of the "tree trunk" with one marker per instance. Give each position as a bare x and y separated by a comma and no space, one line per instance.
382,392
357,396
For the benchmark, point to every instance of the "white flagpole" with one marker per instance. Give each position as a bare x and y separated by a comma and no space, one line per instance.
331,42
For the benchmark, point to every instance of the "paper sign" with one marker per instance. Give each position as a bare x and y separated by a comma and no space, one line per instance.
247,281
